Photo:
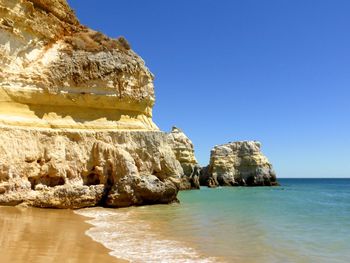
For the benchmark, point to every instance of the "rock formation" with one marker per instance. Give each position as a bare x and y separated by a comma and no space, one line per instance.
238,163
184,152
76,125
56,73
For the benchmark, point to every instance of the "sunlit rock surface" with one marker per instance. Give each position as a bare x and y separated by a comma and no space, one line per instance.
76,125
56,73
238,163
184,152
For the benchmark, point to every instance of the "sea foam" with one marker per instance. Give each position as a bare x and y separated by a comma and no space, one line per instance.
134,239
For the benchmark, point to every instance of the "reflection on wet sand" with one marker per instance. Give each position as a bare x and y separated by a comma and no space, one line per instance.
38,235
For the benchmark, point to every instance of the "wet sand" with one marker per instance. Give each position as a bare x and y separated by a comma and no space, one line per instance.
46,235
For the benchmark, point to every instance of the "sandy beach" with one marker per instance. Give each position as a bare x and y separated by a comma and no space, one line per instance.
46,235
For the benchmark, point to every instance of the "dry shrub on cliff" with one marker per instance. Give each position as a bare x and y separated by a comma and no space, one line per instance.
123,42
82,41
93,41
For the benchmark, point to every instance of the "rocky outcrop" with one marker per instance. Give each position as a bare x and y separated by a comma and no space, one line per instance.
57,73
79,168
76,125
238,163
184,152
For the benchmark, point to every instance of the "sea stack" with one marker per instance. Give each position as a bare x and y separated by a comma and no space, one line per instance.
76,125
238,164
184,151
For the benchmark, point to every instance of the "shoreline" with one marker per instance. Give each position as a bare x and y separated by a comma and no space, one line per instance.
48,235
135,234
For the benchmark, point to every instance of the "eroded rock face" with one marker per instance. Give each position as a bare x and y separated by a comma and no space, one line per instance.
57,73
238,163
184,152
78,168
76,125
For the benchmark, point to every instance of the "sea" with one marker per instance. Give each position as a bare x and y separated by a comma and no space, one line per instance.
303,220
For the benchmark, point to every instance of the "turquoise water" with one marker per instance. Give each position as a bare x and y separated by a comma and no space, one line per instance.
304,220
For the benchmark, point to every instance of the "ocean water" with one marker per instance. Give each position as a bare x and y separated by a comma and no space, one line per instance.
303,220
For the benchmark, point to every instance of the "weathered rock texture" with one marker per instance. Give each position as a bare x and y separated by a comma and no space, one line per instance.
79,168
76,125
238,163
184,152
57,73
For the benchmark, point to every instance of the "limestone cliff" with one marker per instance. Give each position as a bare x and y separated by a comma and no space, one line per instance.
76,125
57,73
184,152
238,163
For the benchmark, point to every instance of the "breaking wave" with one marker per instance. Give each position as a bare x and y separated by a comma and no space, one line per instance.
133,239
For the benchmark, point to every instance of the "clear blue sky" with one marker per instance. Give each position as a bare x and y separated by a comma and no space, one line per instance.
274,71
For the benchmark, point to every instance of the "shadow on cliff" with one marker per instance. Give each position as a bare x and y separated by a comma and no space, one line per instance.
80,114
